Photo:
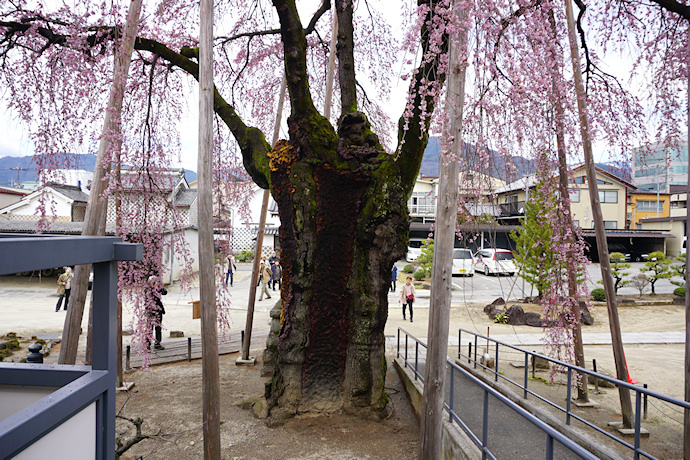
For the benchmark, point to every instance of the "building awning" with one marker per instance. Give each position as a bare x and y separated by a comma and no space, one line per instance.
629,234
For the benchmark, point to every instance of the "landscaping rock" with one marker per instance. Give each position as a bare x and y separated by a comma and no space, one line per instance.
498,302
602,383
516,315
495,313
540,363
679,301
626,302
176,334
488,308
533,319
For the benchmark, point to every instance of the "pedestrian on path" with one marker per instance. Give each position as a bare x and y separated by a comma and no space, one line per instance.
265,273
232,268
407,296
276,274
64,282
155,310
394,277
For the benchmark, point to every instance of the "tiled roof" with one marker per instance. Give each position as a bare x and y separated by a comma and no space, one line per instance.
72,192
185,197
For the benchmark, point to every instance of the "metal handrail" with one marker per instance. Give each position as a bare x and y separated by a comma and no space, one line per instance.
550,432
570,369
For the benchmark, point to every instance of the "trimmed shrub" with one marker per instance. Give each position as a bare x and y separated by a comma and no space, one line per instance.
244,256
680,292
408,268
419,274
599,294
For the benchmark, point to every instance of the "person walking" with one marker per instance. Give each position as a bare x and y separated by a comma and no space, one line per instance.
232,268
407,296
265,273
64,282
155,310
276,274
273,259
394,277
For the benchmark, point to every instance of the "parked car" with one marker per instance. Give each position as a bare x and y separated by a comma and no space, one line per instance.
412,253
631,255
496,261
463,262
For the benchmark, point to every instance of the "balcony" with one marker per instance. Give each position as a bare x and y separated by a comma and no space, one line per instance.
515,208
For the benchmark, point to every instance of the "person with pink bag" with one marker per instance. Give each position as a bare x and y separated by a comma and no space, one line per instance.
407,296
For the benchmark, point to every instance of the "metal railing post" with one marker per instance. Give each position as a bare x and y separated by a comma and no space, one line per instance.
638,424
644,415
459,343
526,374
485,424
469,354
127,365
475,351
189,347
496,364
570,391
416,359
596,380
398,355
406,336
549,447
452,388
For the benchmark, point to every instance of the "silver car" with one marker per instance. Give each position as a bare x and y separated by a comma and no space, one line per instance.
463,262
495,261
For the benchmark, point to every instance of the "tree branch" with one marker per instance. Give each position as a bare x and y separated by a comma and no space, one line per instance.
675,7
251,140
325,6
346,56
412,141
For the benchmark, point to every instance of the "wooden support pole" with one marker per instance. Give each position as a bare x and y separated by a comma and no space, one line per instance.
96,209
442,265
207,284
246,342
686,416
567,229
600,232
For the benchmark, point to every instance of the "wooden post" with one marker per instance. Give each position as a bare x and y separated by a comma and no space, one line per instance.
209,333
441,275
686,416
96,209
567,228
247,339
600,232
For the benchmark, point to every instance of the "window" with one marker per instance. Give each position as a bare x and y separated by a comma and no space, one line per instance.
649,206
574,196
610,224
603,182
578,180
608,196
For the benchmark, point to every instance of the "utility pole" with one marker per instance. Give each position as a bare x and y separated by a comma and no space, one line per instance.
245,359
210,375
442,265
18,169
600,232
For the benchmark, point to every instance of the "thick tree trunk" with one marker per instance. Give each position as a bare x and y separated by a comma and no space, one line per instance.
343,224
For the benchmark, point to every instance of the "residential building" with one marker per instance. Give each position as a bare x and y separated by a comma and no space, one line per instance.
658,167
62,203
644,205
9,195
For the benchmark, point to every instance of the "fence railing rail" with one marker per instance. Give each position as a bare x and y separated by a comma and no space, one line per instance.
551,435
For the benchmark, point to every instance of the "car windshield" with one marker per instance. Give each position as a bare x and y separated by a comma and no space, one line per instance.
504,256
462,254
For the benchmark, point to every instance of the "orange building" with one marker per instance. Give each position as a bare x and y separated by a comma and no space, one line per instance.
644,205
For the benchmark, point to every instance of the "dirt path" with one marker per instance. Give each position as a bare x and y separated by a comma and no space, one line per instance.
168,398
